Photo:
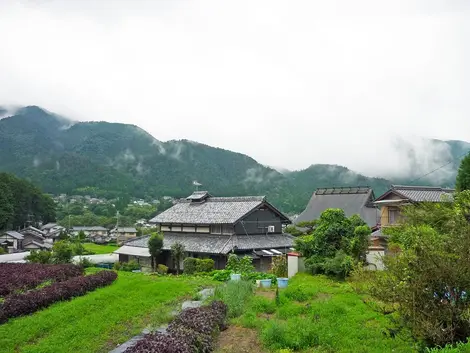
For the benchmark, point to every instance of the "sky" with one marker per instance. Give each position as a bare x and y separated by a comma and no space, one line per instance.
290,83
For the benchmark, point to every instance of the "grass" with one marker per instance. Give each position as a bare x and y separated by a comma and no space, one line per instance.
317,314
235,294
100,320
100,249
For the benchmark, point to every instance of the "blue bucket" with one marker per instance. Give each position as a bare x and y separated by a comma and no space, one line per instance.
266,283
235,276
282,282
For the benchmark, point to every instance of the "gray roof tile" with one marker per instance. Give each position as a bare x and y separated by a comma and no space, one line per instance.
423,193
353,200
219,244
214,210
15,235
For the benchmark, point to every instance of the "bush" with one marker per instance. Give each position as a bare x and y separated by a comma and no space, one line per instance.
32,301
237,265
221,275
117,266
40,257
189,265
279,267
162,269
193,330
130,266
62,252
85,263
19,277
254,276
204,265
235,294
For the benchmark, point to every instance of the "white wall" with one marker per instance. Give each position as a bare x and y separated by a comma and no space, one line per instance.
375,259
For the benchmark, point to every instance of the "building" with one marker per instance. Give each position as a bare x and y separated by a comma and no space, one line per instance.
400,195
353,200
213,227
11,241
90,231
122,234
390,204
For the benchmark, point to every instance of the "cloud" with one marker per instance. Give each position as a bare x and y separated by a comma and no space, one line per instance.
288,83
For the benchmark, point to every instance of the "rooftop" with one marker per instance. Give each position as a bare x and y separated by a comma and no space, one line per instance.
353,200
218,244
212,210
419,193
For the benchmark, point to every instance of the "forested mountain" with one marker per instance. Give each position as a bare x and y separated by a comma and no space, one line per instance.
109,159
21,201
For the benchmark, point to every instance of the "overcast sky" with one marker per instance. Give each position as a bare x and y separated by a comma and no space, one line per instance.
290,83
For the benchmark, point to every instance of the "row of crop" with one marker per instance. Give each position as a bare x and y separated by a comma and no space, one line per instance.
193,330
34,300
20,277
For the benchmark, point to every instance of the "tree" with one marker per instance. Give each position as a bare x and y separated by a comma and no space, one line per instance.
81,235
155,245
335,243
428,277
40,257
62,252
177,253
463,176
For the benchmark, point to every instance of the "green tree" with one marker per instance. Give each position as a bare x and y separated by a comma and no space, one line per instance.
155,244
62,252
463,176
40,257
428,278
177,253
81,235
335,243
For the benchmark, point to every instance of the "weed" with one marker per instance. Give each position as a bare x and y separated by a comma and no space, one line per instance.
235,294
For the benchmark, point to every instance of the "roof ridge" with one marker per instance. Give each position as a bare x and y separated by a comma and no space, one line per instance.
420,187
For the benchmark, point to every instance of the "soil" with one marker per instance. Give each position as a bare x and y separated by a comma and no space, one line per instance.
270,294
236,339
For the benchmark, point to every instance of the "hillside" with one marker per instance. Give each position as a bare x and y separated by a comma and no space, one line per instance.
110,159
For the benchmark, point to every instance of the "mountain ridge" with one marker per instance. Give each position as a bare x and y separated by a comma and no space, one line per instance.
111,159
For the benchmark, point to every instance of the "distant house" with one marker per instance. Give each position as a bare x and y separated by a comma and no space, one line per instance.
122,234
11,241
353,200
213,227
390,204
51,231
90,231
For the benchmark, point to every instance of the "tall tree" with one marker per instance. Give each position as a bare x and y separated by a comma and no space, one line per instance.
155,245
177,253
463,176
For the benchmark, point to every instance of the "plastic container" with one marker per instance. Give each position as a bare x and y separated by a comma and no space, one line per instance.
282,282
258,283
235,276
266,283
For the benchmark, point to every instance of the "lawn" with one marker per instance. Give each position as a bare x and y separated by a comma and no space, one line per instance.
100,249
100,320
314,314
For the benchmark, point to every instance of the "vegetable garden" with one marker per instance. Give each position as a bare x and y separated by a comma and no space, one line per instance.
27,288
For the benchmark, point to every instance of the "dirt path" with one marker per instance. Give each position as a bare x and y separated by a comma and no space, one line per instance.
238,339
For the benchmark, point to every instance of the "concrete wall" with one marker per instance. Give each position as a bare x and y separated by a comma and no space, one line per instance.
257,223
375,259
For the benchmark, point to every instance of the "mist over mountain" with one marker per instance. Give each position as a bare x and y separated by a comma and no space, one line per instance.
112,159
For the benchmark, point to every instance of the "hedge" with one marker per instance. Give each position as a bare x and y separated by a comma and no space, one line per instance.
32,301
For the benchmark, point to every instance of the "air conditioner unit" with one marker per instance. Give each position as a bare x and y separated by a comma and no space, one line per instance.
271,229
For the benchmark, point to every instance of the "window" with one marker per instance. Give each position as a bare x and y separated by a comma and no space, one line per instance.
216,229
393,215
227,229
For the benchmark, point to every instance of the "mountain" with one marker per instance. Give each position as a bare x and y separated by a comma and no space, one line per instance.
110,160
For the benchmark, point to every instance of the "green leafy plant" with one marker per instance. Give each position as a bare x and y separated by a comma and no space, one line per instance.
162,269
177,254
189,265
204,265
155,245
279,266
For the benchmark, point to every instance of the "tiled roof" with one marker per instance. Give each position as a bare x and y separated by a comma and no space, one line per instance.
89,228
38,244
218,244
420,193
214,210
125,230
49,226
353,200
15,235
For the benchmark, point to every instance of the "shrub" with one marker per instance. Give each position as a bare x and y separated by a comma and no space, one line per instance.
40,257
162,269
19,277
189,265
279,267
62,252
254,276
235,294
221,275
130,266
85,263
193,330
117,266
239,265
32,301
204,265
